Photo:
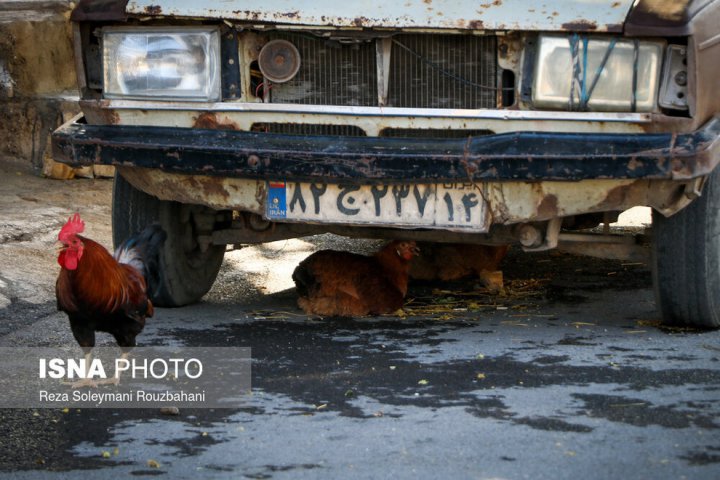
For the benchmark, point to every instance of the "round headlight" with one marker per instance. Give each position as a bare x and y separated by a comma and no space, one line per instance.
279,61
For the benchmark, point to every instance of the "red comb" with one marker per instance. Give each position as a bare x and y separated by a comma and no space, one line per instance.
74,225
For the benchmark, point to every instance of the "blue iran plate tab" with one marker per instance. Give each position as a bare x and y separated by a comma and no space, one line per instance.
276,204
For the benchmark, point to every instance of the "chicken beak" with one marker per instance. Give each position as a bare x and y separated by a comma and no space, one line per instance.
59,246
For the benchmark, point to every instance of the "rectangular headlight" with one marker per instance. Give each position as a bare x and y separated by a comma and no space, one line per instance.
162,63
613,91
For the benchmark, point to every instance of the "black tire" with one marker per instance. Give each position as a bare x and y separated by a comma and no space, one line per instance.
186,272
686,257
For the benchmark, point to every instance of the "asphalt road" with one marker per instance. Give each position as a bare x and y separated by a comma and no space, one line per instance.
568,375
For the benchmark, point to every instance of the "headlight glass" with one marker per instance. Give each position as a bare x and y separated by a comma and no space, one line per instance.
162,63
613,91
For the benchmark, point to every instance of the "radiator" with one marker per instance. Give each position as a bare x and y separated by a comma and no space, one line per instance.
331,73
426,71
443,71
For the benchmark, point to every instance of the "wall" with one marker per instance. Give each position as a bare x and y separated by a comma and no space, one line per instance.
38,88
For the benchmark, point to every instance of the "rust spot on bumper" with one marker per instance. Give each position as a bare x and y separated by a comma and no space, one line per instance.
616,196
153,10
98,113
548,208
580,26
214,190
210,121
496,3
476,25
360,21
633,164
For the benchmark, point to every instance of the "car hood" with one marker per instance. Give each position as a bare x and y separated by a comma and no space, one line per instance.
633,17
555,15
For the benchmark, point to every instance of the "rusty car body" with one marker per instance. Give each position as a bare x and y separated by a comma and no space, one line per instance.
452,121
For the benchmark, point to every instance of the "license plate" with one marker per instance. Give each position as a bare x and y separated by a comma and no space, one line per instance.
448,206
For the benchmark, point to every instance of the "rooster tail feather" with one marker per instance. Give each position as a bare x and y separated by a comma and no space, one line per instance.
142,252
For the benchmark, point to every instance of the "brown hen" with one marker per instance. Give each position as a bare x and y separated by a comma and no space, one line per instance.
453,261
344,284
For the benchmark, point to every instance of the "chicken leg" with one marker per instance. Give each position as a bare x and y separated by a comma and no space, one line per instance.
85,382
115,380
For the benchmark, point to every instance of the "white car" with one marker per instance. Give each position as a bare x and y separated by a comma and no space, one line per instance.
452,121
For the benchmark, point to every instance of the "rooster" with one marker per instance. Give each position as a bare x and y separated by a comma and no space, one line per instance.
106,293
344,284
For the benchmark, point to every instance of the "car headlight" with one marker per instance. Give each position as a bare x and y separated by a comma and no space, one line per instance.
624,69
162,63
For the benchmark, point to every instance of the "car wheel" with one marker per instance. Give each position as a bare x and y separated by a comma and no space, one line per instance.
686,257
187,271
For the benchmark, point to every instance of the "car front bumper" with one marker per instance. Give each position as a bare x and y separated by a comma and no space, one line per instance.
520,156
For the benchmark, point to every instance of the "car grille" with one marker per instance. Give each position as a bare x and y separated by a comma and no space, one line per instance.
330,73
426,71
308,129
443,71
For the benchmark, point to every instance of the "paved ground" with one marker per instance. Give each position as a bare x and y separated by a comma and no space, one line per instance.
568,375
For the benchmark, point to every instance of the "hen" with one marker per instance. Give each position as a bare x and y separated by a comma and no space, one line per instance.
344,284
453,261
106,293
